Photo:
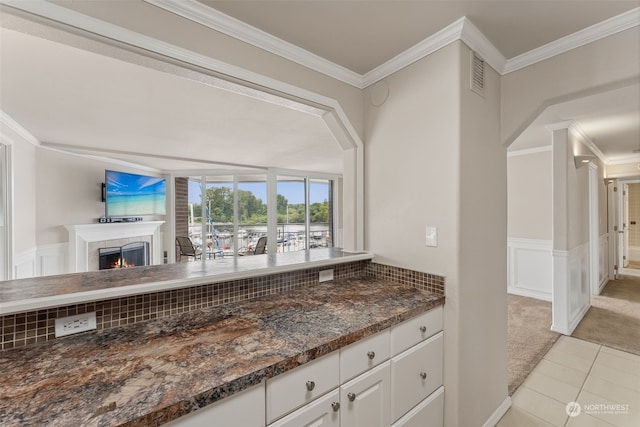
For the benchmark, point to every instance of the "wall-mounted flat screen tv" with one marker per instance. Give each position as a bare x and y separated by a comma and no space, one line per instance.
128,194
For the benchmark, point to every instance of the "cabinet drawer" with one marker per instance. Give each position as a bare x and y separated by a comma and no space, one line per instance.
416,329
365,354
429,412
245,408
415,374
322,412
301,385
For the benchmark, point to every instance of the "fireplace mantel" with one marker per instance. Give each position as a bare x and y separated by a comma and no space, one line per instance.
80,235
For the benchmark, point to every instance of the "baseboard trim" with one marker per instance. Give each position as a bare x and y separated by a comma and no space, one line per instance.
543,296
498,413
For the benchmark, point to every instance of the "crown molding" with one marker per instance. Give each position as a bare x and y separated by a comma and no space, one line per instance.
624,160
587,142
418,51
479,43
10,123
527,151
218,21
580,38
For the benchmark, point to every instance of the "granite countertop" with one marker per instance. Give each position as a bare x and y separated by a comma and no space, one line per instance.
50,291
148,373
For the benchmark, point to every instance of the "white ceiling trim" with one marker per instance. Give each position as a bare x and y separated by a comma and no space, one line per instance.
218,21
586,141
10,123
462,29
588,35
418,51
623,160
527,151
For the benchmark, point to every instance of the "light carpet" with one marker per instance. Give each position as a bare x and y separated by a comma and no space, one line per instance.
529,336
614,317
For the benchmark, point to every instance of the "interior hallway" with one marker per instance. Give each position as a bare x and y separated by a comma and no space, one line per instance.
591,370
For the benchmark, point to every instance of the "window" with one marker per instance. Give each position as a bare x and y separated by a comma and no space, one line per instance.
235,213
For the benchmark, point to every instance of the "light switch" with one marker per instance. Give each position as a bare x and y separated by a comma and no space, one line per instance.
432,236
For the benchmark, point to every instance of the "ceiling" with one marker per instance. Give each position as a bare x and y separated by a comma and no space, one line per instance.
76,100
362,35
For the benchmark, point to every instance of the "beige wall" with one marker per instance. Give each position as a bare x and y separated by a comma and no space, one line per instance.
480,308
596,67
434,158
530,196
69,192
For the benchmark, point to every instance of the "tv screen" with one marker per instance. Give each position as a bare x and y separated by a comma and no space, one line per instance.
128,194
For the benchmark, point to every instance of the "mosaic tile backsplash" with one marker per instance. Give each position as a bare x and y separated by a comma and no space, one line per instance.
22,329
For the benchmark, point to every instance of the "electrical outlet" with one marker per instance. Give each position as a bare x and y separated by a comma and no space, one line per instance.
325,275
75,324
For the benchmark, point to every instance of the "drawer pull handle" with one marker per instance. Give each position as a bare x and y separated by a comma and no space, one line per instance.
335,406
351,396
423,375
311,385
371,354
423,329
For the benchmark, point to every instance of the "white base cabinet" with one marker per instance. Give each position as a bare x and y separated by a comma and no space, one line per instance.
429,412
392,378
364,401
322,412
245,409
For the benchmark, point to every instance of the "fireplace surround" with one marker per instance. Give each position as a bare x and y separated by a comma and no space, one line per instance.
86,239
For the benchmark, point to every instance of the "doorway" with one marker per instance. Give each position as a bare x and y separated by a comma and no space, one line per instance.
627,200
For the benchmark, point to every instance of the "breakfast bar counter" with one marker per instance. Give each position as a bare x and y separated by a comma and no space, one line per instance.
149,373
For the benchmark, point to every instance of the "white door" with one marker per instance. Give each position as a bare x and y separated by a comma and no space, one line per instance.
365,400
623,227
612,209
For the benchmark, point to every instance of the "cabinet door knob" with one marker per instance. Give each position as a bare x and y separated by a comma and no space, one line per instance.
423,329
423,375
371,354
335,406
311,385
351,396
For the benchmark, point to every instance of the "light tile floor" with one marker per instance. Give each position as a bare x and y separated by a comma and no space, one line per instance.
604,382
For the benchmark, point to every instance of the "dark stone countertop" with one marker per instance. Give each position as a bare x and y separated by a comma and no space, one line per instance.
148,373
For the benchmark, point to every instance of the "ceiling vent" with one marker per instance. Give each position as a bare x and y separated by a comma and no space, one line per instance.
477,74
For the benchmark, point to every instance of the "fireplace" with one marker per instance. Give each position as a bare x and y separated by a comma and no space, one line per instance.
86,239
134,254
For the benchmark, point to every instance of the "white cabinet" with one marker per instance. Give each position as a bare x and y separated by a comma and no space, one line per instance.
392,376
322,412
302,385
417,329
364,355
364,401
245,409
415,374
429,412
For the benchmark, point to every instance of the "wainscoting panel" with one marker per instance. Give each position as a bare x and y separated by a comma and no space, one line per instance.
603,262
24,264
571,293
530,266
52,259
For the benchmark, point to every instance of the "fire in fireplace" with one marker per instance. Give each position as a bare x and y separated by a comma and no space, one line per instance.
130,255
